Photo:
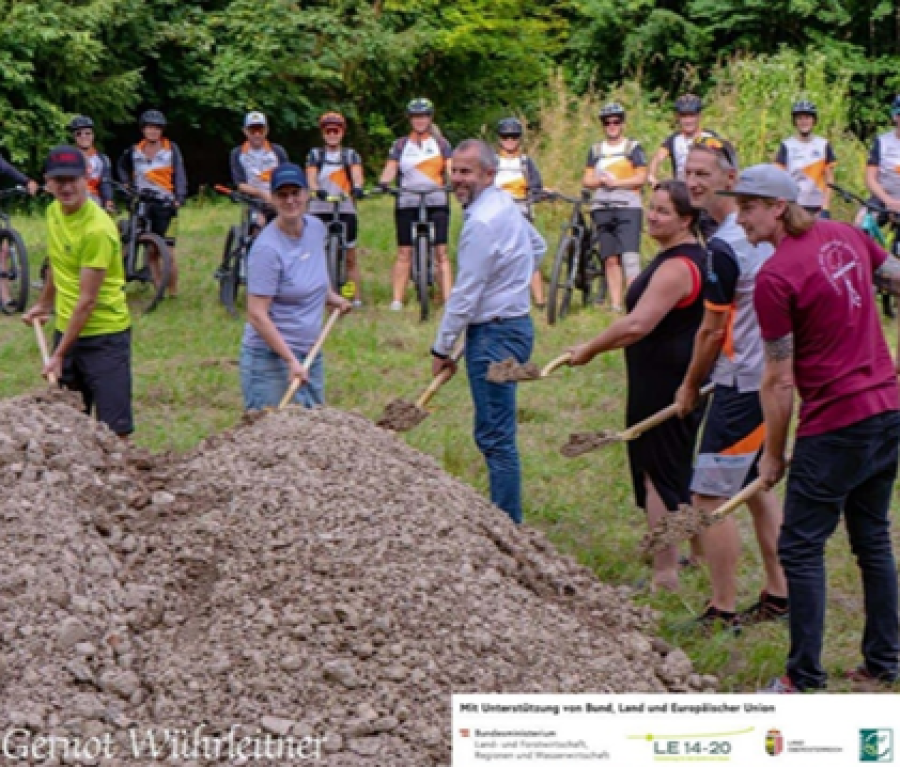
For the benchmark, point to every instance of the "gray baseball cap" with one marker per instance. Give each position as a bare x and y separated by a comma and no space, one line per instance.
765,181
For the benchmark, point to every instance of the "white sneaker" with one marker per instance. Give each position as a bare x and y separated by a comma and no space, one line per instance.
396,306
357,304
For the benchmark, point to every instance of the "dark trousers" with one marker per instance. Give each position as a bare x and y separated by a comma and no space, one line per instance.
850,471
495,405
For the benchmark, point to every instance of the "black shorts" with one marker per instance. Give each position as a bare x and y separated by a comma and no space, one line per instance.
404,218
618,230
349,220
100,368
160,218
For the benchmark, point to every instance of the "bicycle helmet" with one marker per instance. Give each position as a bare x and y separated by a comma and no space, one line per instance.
332,118
420,107
895,106
79,123
153,117
804,107
509,126
612,109
688,104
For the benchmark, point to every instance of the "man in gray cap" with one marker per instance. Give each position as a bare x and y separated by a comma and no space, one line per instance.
822,335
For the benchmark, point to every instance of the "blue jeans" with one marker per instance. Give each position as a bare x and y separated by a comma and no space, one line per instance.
495,405
264,379
850,470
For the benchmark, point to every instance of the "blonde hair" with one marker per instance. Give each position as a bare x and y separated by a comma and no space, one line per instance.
796,219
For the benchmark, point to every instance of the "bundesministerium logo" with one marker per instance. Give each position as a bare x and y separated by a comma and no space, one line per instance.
876,746
774,742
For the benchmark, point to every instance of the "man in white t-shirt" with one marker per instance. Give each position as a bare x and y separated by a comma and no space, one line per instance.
809,159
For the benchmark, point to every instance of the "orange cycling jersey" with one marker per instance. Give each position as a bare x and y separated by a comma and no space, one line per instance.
163,172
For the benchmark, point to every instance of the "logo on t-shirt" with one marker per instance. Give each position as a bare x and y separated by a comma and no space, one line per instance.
842,266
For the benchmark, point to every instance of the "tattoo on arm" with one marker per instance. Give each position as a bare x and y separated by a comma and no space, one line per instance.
887,276
780,349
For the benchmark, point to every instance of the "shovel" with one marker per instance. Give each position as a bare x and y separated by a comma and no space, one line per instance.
584,442
688,521
401,415
310,358
510,370
42,345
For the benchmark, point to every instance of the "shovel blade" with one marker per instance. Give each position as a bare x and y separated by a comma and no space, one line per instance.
401,415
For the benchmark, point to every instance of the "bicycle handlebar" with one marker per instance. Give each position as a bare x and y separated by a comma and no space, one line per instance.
554,196
397,191
16,191
235,196
147,195
848,196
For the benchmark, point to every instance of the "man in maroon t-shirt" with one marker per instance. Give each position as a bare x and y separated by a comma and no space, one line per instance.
820,327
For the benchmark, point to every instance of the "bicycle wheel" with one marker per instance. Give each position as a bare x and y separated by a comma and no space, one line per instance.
602,287
153,280
228,273
421,255
333,253
15,273
889,305
559,295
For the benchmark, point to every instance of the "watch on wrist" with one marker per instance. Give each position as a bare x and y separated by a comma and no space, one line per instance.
437,354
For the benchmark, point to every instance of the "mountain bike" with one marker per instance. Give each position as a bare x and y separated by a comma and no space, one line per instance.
890,241
232,272
13,260
139,244
577,264
423,247
336,247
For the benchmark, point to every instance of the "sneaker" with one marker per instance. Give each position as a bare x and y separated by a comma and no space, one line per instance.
396,306
766,609
357,303
714,618
780,685
862,677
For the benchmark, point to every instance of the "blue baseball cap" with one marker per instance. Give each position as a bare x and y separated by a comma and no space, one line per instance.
288,174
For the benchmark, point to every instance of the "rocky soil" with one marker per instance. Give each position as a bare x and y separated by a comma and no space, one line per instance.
305,574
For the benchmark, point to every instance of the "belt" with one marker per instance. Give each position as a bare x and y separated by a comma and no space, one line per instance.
499,320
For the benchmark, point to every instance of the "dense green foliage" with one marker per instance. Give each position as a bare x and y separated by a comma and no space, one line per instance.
207,61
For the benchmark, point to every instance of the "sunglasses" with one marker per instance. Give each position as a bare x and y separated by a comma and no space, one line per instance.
613,121
332,131
716,145
509,137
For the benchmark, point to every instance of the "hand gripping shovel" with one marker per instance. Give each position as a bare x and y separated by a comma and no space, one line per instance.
42,345
688,521
310,358
510,370
584,442
401,415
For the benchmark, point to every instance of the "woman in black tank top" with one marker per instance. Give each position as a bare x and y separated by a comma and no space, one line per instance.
665,308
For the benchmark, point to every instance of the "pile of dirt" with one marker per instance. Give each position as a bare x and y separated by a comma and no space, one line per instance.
303,575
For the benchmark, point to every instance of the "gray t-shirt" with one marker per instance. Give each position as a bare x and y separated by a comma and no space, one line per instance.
293,273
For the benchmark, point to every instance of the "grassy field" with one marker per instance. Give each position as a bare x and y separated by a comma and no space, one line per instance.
186,387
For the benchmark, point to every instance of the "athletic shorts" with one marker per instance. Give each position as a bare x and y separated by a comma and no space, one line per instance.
404,218
160,218
350,221
100,368
731,444
618,229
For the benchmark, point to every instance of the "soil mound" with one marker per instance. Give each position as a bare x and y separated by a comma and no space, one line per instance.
304,575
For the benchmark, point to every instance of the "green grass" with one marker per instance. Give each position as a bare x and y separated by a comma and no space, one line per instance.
186,387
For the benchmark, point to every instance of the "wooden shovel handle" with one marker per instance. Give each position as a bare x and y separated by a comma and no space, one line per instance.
561,360
736,501
633,432
439,380
42,345
310,358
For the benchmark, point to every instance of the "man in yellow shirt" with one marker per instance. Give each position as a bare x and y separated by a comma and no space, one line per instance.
85,288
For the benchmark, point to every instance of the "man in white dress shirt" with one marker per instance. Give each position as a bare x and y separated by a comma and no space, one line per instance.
497,254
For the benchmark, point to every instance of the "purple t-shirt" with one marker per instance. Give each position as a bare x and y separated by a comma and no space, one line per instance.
293,273
819,287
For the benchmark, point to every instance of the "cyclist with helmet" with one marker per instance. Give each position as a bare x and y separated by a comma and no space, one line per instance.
617,170
518,175
8,170
882,174
254,161
809,159
155,163
420,161
334,169
99,168
687,110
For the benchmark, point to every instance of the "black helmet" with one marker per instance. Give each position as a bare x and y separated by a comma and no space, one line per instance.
509,126
420,107
804,107
80,122
153,117
688,104
612,109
